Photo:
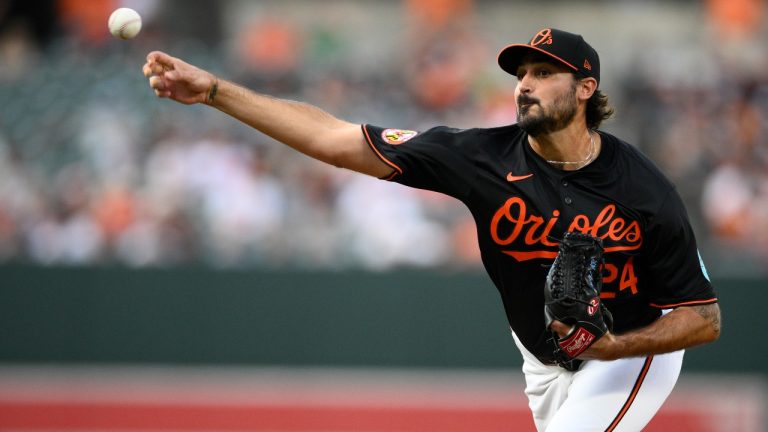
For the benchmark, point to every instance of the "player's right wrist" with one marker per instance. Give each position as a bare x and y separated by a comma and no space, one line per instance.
213,89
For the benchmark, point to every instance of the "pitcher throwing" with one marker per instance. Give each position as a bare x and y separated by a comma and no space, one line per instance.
527,185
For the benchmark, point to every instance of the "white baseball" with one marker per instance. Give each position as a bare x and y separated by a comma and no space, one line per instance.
124,23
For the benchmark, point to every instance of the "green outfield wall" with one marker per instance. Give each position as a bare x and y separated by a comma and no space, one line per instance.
297,318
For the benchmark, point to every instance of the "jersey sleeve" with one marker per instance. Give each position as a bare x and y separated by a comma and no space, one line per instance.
679,277
439,159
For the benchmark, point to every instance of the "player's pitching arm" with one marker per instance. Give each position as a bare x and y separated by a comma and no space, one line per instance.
684,327
301,126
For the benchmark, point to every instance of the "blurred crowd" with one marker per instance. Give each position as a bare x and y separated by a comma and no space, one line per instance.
95,171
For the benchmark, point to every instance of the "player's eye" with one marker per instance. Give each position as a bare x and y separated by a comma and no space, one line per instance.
543,73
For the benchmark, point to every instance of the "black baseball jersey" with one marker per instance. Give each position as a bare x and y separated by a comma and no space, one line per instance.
522,205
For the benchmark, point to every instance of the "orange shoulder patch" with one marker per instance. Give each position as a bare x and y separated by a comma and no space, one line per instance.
397,136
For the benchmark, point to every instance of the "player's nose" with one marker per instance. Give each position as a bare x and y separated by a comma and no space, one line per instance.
524,85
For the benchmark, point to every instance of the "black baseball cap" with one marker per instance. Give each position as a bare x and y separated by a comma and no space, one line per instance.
566,48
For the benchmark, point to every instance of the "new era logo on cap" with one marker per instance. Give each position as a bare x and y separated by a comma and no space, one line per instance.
566,48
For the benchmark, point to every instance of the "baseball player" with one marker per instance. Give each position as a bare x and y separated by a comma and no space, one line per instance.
527,185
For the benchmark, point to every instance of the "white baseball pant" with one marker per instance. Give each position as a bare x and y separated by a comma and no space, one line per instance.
619,395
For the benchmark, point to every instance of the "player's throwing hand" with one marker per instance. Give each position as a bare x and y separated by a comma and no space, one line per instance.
174,79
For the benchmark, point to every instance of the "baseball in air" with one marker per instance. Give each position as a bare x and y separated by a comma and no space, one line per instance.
124,23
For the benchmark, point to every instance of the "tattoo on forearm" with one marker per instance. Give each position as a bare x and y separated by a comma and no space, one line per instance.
710,313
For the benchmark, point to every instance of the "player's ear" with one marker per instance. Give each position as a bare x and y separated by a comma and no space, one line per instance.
586,87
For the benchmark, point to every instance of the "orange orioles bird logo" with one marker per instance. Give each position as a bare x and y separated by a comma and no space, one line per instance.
542,37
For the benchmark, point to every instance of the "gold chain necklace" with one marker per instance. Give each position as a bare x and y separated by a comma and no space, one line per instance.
585,161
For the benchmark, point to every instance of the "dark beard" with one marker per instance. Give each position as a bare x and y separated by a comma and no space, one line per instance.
563,112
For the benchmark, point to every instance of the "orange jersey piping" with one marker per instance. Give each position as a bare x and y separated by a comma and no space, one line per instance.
397,171
688,303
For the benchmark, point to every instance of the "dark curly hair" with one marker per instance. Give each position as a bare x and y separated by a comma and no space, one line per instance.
598,109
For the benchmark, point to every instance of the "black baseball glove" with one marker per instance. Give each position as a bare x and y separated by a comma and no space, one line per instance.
572,295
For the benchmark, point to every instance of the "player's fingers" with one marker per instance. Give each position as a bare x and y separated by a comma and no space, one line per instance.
560,328
163,93
158,56
164,60
153,69
147,70
156,82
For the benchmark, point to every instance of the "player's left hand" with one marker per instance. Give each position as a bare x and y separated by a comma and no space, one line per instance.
602,349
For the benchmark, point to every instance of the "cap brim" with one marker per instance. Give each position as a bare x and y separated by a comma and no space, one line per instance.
511,57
